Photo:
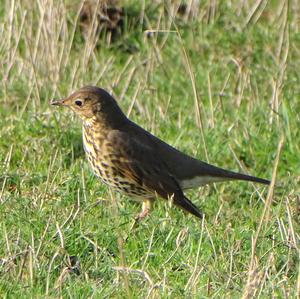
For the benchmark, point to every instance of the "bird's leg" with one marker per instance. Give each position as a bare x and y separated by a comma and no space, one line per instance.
146,208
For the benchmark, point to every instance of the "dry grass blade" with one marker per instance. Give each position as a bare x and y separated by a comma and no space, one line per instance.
253,266
298,280
120,242
253,283
196,271
211,105
141,273
255,12
196,95
48,279
5,168
128,82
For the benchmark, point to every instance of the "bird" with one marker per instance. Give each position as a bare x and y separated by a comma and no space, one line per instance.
136,163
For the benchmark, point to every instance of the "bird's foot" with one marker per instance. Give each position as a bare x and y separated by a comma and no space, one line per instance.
146,208
144,213
140,217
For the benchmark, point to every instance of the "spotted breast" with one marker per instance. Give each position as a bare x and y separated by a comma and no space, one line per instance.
104,164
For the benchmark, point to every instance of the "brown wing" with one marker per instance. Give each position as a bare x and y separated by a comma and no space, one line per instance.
142,164
189,172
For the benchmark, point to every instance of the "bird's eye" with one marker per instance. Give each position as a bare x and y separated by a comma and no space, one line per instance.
78,102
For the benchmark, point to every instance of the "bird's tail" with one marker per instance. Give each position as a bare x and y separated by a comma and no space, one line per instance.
243,177
185,204
210,174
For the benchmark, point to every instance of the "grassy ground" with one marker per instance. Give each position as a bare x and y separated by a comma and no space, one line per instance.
222,85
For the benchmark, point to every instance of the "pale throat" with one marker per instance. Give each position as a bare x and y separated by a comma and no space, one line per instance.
89,121
94,128
93,134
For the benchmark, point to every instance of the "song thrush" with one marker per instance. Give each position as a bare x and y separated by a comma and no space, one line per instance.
133,161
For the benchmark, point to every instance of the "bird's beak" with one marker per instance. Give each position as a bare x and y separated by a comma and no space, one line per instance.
58,102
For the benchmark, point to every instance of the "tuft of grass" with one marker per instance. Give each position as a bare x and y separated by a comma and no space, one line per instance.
217,80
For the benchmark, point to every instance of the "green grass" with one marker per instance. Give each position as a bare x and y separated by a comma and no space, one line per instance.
52,207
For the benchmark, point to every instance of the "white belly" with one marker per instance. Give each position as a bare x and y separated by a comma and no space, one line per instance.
199,181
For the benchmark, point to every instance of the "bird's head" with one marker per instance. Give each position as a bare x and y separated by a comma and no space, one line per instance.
92,103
